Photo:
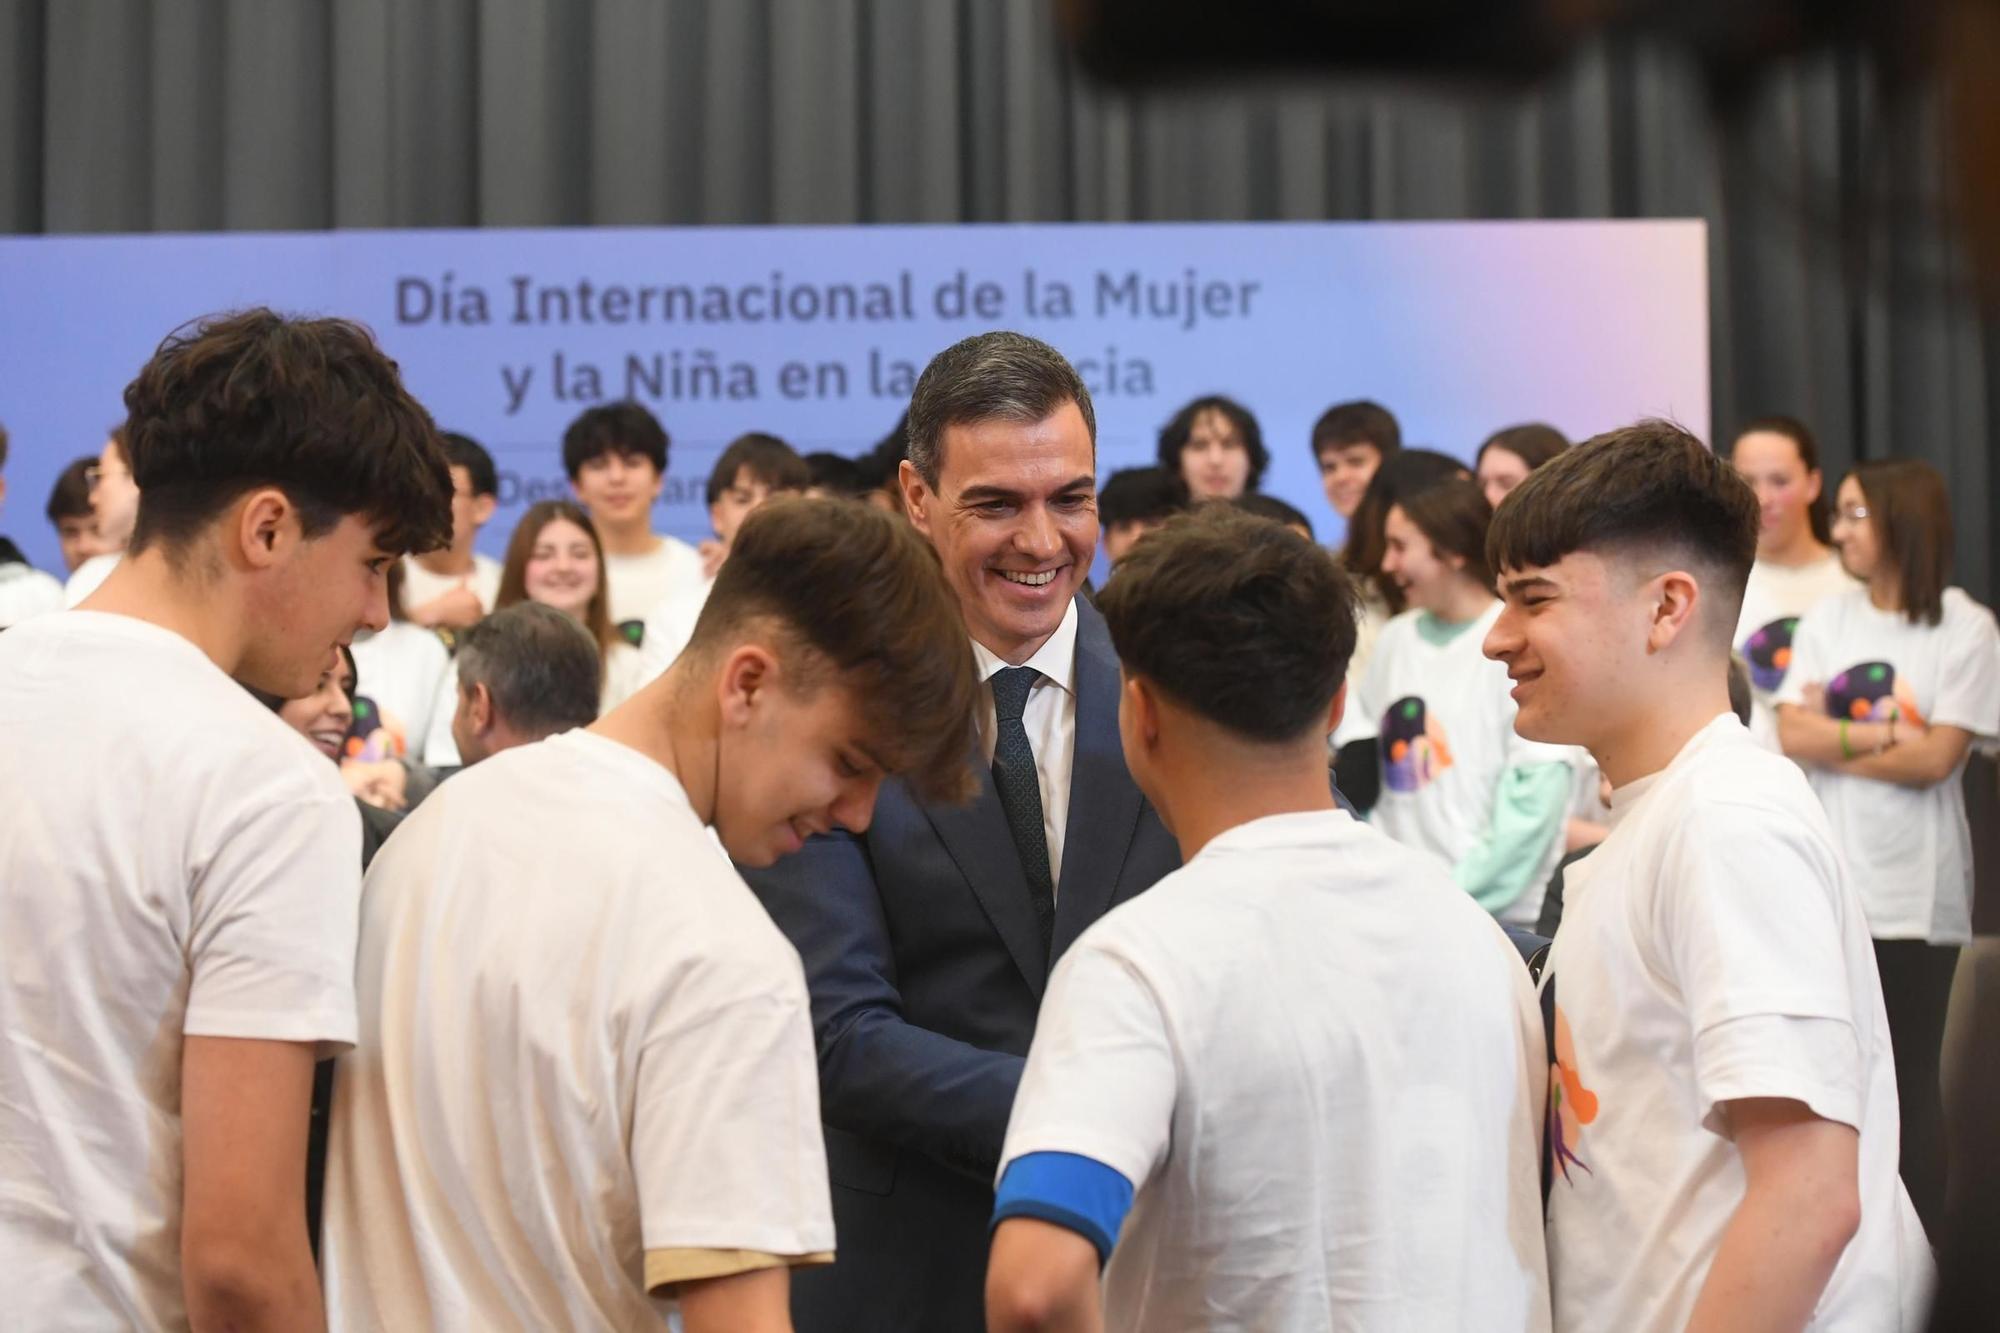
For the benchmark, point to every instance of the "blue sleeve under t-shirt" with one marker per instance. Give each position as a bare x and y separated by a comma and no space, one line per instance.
1069,1190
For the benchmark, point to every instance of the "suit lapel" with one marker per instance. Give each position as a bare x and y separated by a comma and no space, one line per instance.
1103,800
979,842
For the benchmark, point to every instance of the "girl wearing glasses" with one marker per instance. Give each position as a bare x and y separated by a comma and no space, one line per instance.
1889,684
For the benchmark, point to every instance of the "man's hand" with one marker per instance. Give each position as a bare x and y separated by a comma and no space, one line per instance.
712,553
382,783
454,608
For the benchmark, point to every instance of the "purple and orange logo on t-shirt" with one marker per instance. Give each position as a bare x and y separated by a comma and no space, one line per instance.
1571,1105
1872,692
1414,750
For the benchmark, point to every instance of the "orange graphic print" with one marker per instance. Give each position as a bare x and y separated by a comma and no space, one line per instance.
1571,1105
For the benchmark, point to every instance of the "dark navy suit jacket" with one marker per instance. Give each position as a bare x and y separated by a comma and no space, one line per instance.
926,971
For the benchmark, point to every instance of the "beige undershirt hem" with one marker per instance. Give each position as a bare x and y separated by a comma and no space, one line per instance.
668,1268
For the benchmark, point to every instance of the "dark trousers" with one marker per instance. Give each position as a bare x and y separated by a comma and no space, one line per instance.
1916,990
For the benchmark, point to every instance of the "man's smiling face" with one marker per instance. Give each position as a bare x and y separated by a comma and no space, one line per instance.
1013,518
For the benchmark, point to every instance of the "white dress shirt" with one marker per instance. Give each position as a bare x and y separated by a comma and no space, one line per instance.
1050,720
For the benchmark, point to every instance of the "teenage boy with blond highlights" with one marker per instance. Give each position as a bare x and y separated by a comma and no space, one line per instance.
587,1084
1722,1105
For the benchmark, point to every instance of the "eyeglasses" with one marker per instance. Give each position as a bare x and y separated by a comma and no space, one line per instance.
1853,513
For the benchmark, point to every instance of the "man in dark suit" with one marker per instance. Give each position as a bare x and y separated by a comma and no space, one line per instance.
927,941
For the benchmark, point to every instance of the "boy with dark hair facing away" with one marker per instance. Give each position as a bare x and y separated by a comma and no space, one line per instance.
1250,1085
1722,1107
455,586
616,458
178,884
660,1134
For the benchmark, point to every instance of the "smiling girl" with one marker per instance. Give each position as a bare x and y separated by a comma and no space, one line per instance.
1456,780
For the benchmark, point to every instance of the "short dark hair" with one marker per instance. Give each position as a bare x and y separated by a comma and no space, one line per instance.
882,464
1236,618
1534,443
1141,495
614,428
70,496
468,453
1909,510
1175,434
1402,474
998,375
1819,514
769,459
862,593
1652,485
3,448
1358,422
539,665
1272,508
836,474
311,406
1455,516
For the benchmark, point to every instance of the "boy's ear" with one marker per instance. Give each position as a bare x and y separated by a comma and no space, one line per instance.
1337,709
1676,607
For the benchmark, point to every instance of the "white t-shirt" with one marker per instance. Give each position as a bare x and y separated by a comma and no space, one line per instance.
638,583
1319,1062
1443,717
26,591
1773,601
670,625
400,670
1712,949
1372,616
174,861
86,577
585,1050
626,669
1908,849
420,585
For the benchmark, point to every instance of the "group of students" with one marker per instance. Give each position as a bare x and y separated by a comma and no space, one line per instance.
1296,1077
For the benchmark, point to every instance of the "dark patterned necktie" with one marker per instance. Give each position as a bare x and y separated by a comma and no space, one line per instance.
1021,791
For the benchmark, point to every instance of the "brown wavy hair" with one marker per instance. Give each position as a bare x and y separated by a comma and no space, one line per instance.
310,406
855,594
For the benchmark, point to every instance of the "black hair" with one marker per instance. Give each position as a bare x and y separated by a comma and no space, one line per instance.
1175,434
620,428
1236,618
468,453
1140,495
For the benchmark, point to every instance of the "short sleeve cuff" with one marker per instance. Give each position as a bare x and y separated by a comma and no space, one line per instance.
667,1269
1077,1193
331,1032
1816,1061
